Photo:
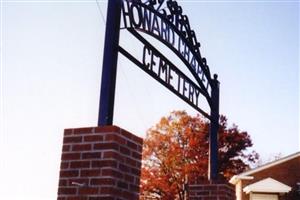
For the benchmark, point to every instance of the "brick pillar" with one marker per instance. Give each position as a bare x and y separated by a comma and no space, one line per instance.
211,191
100,163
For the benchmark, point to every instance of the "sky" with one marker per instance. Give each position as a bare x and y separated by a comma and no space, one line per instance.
51,64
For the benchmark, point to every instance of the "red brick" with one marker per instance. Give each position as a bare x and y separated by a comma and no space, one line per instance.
138,164
80,164
137,155
131,162
128,195
192,187
114,137
107,162
192,193
138,140
104,163
68,131
140,148
93,138
102,198
66,190
112,154
88,130
209,198
137,180
66,148
107,129
218,192
106,146
91,155
129,178
210,187
70,156
90,172
64,165
135,171
203,193
125,150
77,198
132,145
82,147
112,173
122,185
63,182
107,190
69,173
126,134
211,191
134,188
225,198
124,168
110,190
286,172
72,139
88,190
103,181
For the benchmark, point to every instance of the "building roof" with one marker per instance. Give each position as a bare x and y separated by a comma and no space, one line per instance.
267,185
246,174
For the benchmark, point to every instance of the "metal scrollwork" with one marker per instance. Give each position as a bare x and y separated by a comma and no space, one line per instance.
182,23
174,14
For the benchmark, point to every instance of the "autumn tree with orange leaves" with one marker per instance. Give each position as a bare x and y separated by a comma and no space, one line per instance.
176,150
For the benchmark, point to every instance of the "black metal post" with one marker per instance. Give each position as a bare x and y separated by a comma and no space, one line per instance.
110,58
214,127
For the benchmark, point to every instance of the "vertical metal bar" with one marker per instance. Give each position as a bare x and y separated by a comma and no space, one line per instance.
214,127
110,58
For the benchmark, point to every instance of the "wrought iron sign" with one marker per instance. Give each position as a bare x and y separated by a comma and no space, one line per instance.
171,28
163,20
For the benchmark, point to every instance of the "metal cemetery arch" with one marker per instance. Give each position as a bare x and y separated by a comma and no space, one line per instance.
172,28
